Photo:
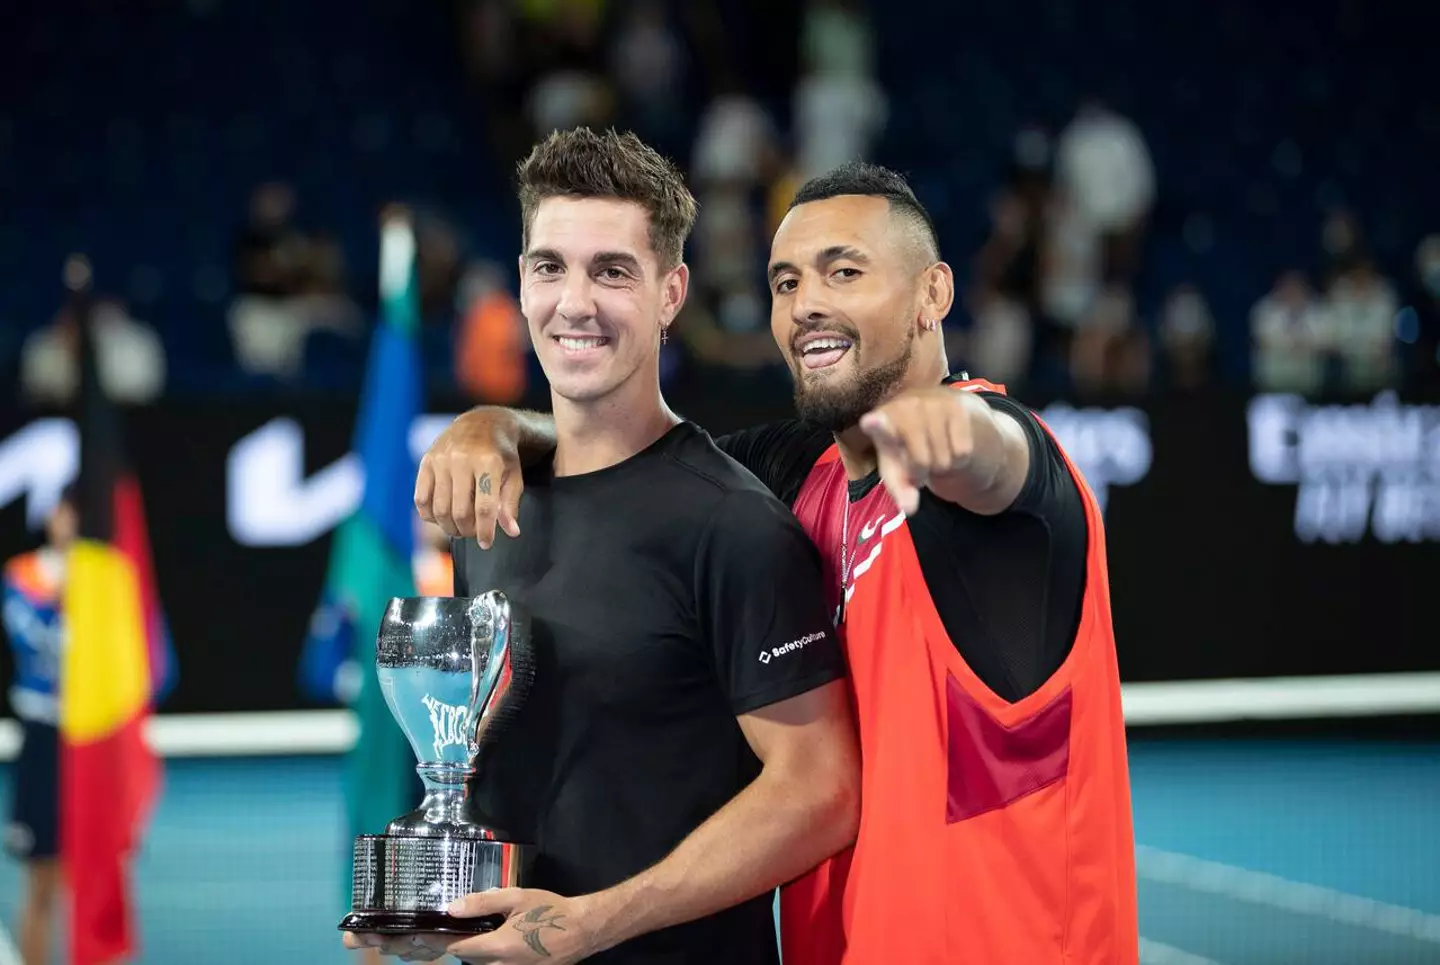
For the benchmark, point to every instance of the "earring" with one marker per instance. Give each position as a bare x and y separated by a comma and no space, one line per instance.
664,334
930,324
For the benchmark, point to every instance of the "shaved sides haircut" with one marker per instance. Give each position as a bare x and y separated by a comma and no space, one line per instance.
874,181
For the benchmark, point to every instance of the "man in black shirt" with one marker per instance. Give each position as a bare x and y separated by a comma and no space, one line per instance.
687,745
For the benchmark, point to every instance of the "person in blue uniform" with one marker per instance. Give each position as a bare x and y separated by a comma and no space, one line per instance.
33,586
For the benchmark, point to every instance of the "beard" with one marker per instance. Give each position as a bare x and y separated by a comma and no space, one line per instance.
840,407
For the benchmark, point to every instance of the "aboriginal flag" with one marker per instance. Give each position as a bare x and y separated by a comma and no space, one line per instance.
116,664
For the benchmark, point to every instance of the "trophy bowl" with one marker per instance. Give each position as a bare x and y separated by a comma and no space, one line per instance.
454,672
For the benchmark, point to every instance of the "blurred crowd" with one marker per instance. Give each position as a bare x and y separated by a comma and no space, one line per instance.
750,110
1052,291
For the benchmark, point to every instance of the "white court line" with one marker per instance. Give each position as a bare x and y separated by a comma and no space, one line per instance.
1156,953
263,733
1281,698
9,954
1260,888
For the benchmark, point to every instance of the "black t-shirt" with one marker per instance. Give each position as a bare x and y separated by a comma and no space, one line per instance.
1008,587
668,594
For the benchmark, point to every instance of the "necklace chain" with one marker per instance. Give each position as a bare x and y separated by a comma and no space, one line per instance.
846,557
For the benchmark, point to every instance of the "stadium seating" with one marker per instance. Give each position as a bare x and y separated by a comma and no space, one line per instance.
1259,118
136,131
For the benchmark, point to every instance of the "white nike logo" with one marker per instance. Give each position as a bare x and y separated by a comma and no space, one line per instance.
890,525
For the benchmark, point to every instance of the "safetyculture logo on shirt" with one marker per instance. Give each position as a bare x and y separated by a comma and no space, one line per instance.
793,646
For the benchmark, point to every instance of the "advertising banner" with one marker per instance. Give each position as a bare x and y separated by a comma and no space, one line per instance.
1247,536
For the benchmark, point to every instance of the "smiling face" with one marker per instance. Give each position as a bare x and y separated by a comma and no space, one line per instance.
595,294
848,291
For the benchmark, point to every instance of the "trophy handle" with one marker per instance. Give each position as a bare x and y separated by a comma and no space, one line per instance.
489,659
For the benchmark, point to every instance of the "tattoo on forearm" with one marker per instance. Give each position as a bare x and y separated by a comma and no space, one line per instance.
535,921
485,484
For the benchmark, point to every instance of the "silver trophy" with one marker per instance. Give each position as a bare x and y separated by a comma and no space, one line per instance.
454,671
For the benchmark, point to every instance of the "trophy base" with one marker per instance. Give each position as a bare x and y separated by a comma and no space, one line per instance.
415,922
403,883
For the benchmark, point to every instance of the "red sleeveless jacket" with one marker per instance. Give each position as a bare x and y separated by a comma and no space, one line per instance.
991,833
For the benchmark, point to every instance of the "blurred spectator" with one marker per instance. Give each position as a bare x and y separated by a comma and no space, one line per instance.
438,266
1009,261
495,52
1007,305
1108,179
648,64
129,355
1110,352
735,142
1187,336
1343,244
493,344
1071,265
269,249
724,330
999,345
727,248
783,188
839,107
289,286
267,336
571,89
836,37
1361,306
1289,338
730,326
1426,357
569,98
489,41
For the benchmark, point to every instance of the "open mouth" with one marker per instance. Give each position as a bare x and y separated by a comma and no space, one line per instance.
580,345
820,353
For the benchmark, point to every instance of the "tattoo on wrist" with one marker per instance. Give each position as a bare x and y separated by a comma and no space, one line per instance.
485,484
533,923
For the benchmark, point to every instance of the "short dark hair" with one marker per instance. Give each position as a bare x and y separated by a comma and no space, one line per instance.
873,181
581,163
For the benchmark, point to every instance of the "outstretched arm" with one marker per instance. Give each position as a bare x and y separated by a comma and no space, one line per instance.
470,479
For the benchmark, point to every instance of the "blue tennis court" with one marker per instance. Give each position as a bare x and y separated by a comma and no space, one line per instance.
1252,852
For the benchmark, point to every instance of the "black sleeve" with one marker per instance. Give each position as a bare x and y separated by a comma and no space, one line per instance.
779,454
1009,587
1048,492
761,603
